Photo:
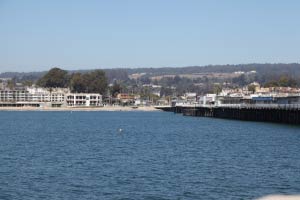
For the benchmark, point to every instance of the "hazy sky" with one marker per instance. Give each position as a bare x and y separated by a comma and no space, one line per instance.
37,35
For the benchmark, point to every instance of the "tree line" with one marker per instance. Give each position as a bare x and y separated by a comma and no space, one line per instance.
90,82
268,75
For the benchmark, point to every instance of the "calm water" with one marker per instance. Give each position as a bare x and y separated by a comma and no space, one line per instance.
157,155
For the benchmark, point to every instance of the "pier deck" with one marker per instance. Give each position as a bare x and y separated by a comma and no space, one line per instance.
289,114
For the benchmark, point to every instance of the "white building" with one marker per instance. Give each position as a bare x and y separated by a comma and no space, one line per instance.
44,97
83,99
13,95
56,95
208,99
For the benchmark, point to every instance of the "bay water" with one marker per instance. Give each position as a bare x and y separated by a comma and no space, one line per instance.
144,155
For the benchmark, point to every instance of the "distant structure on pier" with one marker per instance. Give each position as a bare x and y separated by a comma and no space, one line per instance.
276,104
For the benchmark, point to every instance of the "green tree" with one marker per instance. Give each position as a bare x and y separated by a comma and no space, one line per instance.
145,80
11,84
176,79
286,81
217,89
240,80
166,91
271,84
283,81
96,81
251,88
55,77
116,89
92,82
77,83
28,83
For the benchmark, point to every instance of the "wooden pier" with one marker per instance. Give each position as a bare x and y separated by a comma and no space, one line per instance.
289,114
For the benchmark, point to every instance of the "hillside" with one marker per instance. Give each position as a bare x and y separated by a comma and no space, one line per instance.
265,72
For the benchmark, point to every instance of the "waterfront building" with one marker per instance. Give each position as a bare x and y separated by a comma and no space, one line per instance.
55,95
126,99
190,97
156,92
208,99
46,97
162,102
13,95
83,99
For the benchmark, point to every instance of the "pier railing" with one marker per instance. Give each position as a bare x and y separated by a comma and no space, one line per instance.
278,113
235,106
266,106
254,106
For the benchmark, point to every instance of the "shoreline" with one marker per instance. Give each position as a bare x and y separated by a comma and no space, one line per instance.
105,108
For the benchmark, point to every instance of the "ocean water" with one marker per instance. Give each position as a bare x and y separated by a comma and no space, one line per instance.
144,155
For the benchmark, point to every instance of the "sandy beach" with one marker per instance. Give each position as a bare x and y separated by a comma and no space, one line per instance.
281,197
105,108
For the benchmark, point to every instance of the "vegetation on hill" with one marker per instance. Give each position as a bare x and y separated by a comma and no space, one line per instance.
171,80
283,81
91,82
55,78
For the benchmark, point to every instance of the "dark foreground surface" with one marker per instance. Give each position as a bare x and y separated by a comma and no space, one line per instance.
144,155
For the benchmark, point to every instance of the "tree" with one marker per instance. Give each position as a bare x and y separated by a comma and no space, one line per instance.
92,82
166,91
251,88
217,89
283,81
271,84
28,83
286,81
145,80
177,79
77,83
240,80
11,83
96,82
55,77
116,89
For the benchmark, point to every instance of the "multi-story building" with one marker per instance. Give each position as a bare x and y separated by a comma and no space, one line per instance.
56,95
16,98
125,98
43,97
83,99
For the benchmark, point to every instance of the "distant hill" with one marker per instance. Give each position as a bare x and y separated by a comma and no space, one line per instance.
23,75
293,69
264,71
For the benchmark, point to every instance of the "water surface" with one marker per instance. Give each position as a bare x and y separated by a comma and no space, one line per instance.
155,155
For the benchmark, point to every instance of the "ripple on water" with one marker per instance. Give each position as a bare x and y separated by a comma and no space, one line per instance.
55,155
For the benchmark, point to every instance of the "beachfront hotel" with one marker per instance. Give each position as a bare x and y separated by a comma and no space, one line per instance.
46,97
83,99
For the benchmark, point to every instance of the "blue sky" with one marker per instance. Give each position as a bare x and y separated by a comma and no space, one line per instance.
37,35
